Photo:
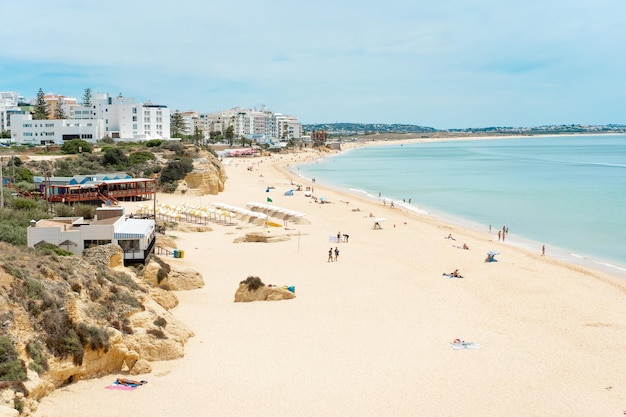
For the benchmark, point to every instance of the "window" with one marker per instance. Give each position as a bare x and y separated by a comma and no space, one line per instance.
134,110
134,118
134,126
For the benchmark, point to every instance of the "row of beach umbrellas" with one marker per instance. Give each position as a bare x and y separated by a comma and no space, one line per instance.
275,211
187,212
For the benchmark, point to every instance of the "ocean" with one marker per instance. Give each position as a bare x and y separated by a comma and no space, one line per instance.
567,192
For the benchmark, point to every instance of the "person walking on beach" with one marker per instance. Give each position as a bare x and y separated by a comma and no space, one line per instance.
499,233
330,255
338,237
543,250
336,254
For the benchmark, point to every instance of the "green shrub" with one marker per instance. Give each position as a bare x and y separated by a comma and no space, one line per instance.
95,337
161,275
75,146
154,143
158,333
50,250
24,174
169,187
61,338
11,367
140,157
173,146
176,170
114,157
160,322
253,283
63,210
86,211
35,350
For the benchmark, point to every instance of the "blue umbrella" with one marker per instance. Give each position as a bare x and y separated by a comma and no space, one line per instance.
493,253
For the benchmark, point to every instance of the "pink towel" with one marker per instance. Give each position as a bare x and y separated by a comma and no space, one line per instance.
120,387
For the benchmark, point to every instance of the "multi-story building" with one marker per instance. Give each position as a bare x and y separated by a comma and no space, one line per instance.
261,125
119,118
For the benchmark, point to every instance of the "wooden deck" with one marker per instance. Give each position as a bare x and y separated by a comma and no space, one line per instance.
107,192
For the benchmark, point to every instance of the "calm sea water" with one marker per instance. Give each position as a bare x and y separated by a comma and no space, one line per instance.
567,192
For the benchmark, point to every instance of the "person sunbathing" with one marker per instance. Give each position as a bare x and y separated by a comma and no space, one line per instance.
454,274
130,382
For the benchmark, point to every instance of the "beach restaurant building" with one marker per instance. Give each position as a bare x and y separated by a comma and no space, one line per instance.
136,237
99,188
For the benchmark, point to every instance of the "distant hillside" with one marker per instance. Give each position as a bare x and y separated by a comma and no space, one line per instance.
347,129
365,128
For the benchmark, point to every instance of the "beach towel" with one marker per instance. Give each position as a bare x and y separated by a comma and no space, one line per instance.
125,386
451,276
461,344
120,387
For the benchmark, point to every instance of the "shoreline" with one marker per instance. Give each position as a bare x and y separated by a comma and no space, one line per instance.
570,257
370,334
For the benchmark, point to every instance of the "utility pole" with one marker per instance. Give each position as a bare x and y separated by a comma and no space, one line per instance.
1,184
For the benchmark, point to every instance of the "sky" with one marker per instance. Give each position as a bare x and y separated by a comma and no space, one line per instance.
445,64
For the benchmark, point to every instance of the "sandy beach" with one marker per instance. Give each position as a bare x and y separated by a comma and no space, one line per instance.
370,334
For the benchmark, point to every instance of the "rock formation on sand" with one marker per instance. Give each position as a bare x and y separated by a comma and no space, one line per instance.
67,318
253,289
208,175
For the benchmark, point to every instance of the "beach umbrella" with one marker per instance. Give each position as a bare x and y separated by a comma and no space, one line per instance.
379,219
493,253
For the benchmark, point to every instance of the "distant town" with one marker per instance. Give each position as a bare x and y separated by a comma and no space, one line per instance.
55,119
351,129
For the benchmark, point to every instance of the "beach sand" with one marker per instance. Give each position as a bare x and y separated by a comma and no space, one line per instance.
369,335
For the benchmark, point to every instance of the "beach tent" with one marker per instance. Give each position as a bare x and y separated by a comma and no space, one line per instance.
491,256
289,192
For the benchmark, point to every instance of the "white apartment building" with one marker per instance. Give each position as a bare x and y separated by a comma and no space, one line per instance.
26,131
125,119
261,125
9,103
119,118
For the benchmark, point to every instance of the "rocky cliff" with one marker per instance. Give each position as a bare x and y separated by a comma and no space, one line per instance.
69,318
208,176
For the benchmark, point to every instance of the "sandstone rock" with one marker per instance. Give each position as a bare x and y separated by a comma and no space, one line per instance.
183,279
142,366
131,359
261,237
157,343
165,299
8,411
110,255
208,176
165,242
264,293
150,273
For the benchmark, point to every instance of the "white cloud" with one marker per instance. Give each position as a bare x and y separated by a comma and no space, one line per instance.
446,64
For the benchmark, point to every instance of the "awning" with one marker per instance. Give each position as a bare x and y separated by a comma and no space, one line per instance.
134,229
